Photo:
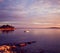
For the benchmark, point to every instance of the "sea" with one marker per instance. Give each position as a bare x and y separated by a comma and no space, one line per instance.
47,40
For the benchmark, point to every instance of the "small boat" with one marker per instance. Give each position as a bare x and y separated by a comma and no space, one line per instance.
27,31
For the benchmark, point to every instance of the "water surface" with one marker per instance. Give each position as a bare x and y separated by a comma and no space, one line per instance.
47,40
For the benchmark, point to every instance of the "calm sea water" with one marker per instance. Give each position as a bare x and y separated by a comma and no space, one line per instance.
47,40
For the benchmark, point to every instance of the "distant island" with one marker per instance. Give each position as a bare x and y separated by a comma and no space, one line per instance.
6,27
38,28
54,27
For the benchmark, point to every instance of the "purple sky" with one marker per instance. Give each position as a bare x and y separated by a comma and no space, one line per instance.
30,12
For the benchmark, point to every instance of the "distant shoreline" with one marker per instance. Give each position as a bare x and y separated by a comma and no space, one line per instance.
37,28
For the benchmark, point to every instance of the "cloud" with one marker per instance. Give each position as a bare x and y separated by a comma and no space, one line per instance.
30,11
44,7
36,7
1,0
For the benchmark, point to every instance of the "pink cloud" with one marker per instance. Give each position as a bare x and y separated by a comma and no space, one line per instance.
1,0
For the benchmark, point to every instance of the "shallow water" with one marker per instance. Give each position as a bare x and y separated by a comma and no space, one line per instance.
47,40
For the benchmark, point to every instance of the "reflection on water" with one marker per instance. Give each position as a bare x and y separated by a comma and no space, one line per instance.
48,40
6,31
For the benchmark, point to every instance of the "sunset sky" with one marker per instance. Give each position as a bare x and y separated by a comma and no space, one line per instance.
31,13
